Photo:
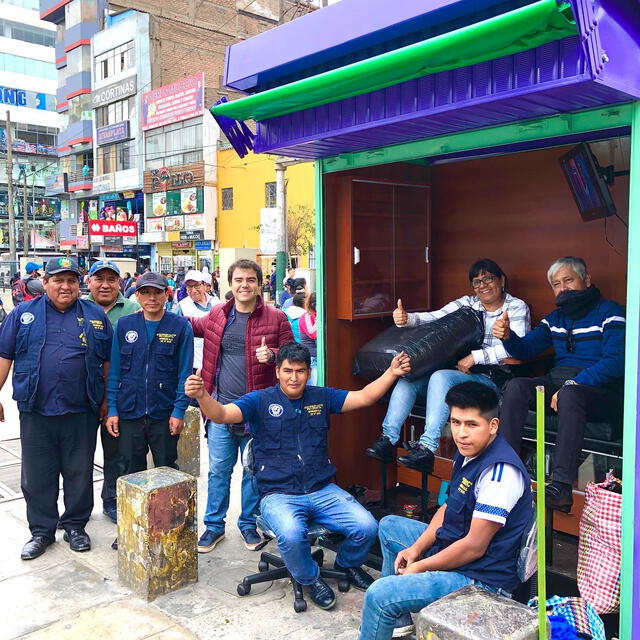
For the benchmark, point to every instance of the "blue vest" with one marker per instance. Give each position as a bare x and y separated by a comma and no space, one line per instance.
149,371
497,566
290,448
30,340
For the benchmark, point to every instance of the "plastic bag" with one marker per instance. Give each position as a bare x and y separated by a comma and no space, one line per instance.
432,346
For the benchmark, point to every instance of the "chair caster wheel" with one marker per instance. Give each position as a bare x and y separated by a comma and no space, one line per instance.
263,566
343,586
243,589
299,606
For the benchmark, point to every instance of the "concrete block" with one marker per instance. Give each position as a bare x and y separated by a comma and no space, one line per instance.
189,443
472,613
157,531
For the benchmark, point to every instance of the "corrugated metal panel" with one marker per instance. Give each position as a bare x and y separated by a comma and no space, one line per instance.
550,79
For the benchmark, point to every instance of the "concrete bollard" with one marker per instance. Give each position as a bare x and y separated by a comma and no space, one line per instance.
189,443
157,531
472,613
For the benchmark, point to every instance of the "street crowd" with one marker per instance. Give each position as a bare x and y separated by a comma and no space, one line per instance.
129,369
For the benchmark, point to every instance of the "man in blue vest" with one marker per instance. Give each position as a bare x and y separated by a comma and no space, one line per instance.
151,357
474,538
289,423
59,345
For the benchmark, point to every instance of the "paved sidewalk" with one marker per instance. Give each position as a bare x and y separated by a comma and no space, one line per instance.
64,595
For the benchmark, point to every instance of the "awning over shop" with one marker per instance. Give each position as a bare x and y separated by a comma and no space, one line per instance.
535,60
519,30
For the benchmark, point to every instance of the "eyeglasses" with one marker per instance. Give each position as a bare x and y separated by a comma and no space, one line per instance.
195,285
476,282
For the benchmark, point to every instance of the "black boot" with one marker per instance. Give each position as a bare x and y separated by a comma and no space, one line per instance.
420,459
381,449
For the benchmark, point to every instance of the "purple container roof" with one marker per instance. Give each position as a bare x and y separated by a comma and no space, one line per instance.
580,72
345,32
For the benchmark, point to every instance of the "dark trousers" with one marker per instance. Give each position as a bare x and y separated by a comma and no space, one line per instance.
53,446
577,404
138,436
113,464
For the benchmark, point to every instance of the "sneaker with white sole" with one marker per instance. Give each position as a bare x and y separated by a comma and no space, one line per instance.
252,539
404,626
208,540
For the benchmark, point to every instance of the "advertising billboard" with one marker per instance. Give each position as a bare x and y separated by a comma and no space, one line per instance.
173,102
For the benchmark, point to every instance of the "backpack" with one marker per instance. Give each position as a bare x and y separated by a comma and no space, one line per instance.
19,292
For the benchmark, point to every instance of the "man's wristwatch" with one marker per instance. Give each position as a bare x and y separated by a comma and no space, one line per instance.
568,383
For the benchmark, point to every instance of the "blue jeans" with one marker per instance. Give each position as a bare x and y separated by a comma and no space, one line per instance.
223,454
288,516
313,379
392,595
437,384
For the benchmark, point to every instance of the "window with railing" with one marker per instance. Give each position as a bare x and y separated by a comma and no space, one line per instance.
227,198
269,194
114,61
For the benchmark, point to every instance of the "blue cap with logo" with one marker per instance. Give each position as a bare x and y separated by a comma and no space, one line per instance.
103,264
30,267
58,265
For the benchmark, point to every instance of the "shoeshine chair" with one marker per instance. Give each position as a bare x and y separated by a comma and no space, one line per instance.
271,566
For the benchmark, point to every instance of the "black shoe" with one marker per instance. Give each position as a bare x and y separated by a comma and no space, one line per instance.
322,594
35,547
420,459
358,577
381,449
78,539
558,496
110,509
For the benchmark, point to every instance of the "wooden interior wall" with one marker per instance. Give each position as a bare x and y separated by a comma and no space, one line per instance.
516,209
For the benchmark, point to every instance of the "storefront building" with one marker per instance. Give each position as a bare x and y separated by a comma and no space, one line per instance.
27,92
180,176
437,131
121,72
247,206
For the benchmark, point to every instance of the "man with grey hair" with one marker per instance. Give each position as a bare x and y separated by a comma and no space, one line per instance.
585,384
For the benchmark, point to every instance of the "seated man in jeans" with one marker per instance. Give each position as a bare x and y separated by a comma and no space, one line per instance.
474,538
289,423
587,334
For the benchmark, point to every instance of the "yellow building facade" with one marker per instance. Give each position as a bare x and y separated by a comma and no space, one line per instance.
247,185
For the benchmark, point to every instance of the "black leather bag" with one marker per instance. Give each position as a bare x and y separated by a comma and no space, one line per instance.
432,346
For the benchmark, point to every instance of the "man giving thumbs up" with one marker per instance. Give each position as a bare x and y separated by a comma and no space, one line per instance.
241,340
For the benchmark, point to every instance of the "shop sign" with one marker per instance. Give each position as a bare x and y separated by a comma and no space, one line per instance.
105,183
174,178
202,245
109,196
113,248
112,228
113,133
29,99
165,179
191,235
181,245
56,184
173,102
128,240
82,242
113,92
128,195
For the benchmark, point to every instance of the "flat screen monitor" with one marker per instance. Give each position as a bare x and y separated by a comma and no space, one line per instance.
588,187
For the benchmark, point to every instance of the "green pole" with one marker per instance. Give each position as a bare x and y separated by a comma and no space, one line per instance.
540,515
320,286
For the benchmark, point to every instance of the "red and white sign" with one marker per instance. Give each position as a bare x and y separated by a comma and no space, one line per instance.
173,102
112,228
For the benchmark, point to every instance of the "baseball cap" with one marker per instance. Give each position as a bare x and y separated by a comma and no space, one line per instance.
206,278
151,279
30,267
196,276
58,265
103,264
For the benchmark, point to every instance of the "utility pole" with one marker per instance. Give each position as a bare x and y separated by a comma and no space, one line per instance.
12,218
25,216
